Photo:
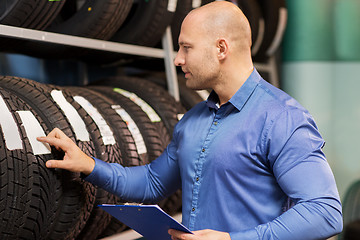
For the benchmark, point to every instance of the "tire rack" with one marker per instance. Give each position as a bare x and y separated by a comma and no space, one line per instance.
167,53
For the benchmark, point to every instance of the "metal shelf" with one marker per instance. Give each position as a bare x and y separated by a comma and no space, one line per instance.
42,36
167,53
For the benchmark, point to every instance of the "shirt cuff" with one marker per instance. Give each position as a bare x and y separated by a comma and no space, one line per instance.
101,173
250,234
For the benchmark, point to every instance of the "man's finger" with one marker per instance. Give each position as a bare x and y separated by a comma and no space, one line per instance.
57,133
56,142
180,235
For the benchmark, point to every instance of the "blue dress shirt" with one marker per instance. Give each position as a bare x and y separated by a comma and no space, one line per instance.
253,167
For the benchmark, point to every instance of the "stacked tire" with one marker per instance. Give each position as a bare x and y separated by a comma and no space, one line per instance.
108,121
126,21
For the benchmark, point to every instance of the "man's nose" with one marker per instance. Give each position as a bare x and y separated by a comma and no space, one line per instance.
179,60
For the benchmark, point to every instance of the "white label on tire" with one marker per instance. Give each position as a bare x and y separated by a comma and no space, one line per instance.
133,128
105,131
72,115
196,3
33,130
141,103
9,127
172,5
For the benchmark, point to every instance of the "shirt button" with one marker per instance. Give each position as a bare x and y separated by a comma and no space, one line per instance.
216,123
203,150
197,179
193,209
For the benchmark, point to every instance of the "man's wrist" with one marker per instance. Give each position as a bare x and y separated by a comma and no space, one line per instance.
89,166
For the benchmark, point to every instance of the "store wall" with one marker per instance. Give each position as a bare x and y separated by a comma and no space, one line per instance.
321,69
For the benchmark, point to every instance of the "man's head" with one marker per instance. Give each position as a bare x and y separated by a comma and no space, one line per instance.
213,39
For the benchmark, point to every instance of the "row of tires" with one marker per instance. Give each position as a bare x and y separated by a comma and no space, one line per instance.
126,120
135,22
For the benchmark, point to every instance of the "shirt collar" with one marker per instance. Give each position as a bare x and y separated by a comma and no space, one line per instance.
239,99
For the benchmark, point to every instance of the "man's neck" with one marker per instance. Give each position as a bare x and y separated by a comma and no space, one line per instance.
229,85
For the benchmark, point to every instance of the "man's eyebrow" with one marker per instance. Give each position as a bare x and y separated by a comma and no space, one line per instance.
183,43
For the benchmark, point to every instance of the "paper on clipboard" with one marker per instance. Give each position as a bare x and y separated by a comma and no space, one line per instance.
148,220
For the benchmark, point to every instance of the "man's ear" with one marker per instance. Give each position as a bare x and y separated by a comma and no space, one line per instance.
223,48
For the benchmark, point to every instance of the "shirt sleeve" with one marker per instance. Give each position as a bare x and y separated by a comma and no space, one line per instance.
147,184
294,153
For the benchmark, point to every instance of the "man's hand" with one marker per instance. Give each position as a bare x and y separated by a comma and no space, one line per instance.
74,160
199,235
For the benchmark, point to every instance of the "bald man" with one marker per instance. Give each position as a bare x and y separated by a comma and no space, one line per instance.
249,160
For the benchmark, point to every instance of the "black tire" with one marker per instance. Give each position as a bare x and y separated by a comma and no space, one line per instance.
100,22
16,174
34,14
94,19
96,218
159,99
121,133
45,186
125,145
144,26
153,142
145,23
275,17
78,196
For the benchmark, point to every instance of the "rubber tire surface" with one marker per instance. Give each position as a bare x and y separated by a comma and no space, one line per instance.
98,19
78,196
152,139
34,14
275,22
98,219
129,156
159,99
145,24
101,153
28,190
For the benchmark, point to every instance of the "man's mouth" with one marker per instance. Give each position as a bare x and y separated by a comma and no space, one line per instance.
187,74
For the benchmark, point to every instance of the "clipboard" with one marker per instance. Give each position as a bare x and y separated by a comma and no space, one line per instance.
148,220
